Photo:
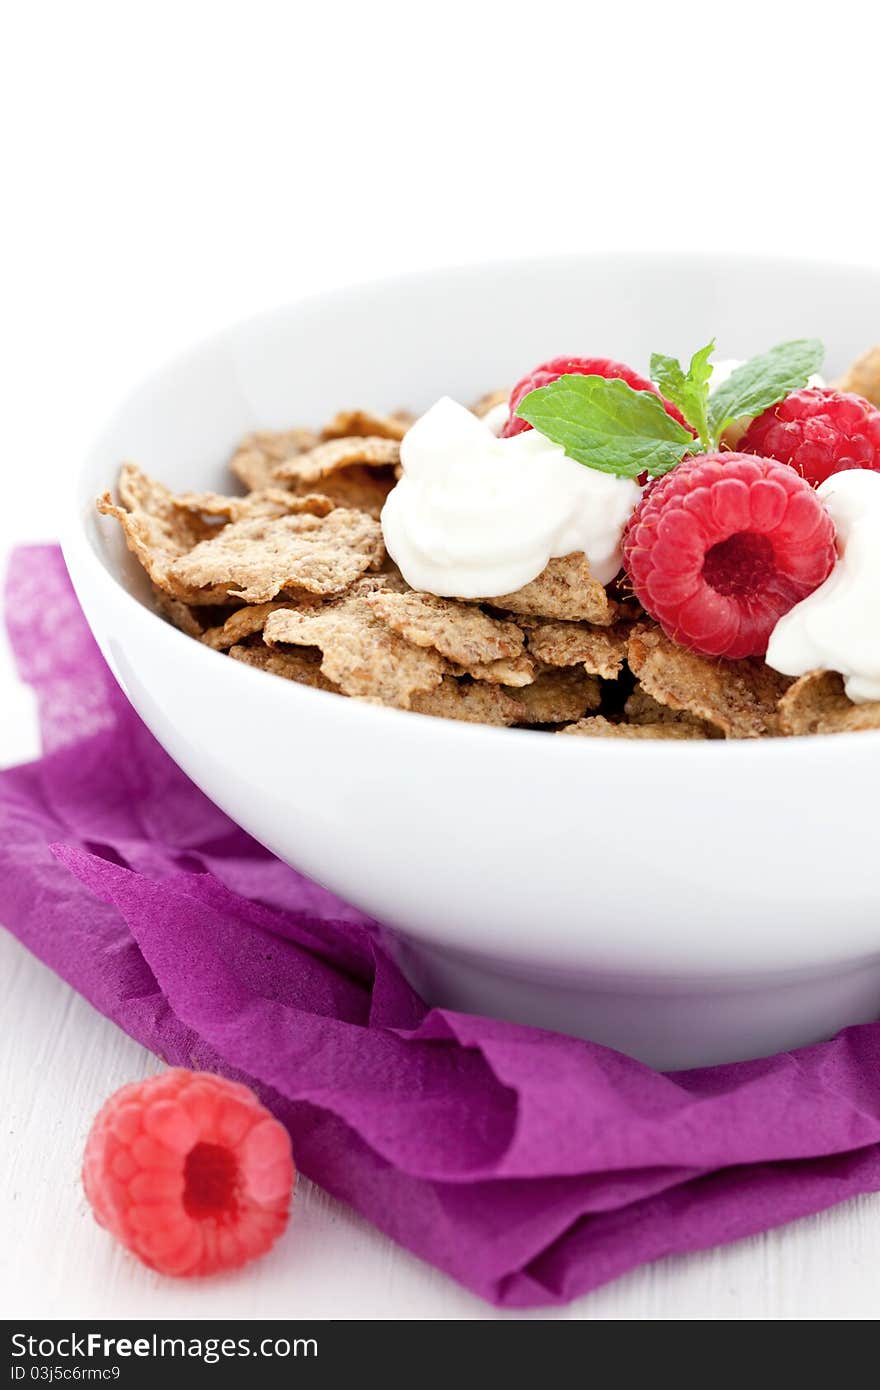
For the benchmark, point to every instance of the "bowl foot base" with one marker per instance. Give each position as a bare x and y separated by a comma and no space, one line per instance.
675,1025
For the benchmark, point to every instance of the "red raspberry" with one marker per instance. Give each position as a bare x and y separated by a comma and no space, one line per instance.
722,546
817,432
190,1172
579,366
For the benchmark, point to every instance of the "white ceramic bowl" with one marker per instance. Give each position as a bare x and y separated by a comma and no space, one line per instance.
685,902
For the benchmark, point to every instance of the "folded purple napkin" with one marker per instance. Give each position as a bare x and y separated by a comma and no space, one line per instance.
527,1165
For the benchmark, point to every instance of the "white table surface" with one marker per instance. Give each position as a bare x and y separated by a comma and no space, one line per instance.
172,166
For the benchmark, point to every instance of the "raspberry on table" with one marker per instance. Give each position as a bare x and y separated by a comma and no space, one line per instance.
818,432
190,1172
722,546
579,366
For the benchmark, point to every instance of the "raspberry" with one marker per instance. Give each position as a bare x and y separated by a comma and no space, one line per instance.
189,1172
579,366
722,546
818,433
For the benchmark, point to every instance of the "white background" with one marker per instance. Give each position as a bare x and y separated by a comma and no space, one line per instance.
167,167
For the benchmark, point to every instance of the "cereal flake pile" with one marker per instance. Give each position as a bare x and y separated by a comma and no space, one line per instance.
292,577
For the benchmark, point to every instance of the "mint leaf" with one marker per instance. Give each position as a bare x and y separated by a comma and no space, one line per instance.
762,381
689,390
605,424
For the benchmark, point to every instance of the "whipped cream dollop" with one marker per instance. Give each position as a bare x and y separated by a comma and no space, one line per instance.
497,417
474,516
721,370
837,627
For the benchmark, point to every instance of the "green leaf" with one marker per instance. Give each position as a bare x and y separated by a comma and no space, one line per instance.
762,381
605,424
689,390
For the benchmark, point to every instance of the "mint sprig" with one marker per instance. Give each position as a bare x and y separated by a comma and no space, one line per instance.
764,380
689,390
603,423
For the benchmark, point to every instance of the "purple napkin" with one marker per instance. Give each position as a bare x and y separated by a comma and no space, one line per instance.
527,1165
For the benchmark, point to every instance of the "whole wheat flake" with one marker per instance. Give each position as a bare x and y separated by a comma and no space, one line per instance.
255,560
564,589
156,531
461,632
818,704
256,456
347,423
361,654
739,697
300,666
601,650
474,704
597,726
327,458
557,697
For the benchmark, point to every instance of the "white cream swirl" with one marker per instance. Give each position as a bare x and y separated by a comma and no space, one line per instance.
496,418
475,516
837,627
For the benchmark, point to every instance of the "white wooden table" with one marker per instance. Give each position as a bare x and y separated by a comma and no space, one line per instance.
59,1060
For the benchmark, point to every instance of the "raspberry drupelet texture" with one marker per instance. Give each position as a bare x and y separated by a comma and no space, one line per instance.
190,1172
579,366
817,432
722,546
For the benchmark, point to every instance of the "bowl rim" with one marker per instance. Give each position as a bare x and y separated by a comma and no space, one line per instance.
87,569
